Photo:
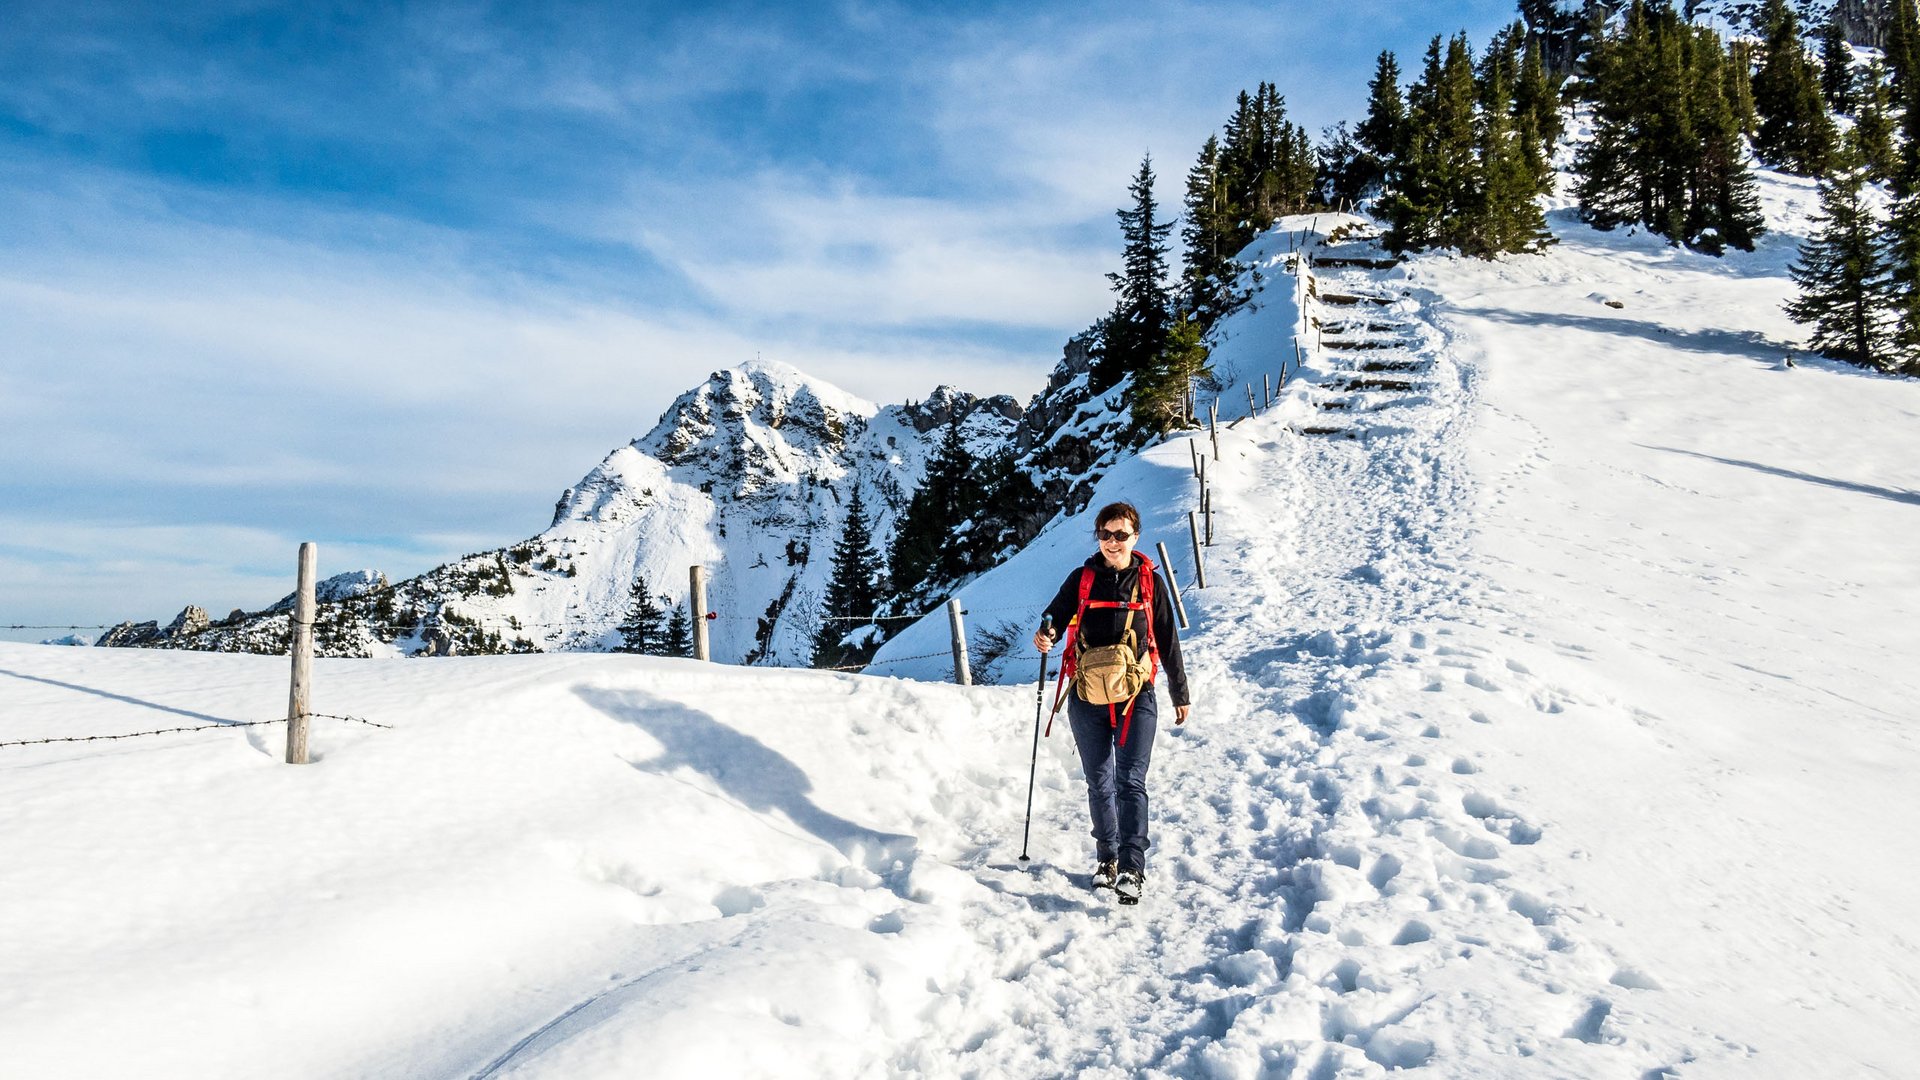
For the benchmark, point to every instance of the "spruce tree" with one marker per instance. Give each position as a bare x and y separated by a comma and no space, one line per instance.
1902,240
641,632
1505,216
1903,58
1795,133
1208,236
1836,66
1439,174
1872,134
1723,199
925,547
1536,108
679,636
1346,171
1844,274
1138,325
853,590
1740,86
1382,135
1160,395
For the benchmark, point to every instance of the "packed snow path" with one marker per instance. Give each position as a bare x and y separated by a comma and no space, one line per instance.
1333,893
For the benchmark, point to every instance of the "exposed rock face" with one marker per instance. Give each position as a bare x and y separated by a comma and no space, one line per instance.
129,635
337,588
191,620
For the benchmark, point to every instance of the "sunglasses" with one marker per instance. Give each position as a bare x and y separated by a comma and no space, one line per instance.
1116,535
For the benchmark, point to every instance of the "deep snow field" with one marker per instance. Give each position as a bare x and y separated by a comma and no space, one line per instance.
1557,723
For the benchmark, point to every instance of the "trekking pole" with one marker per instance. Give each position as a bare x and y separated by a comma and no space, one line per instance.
1033,765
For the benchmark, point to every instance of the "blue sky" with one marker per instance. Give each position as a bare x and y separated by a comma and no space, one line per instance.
391,276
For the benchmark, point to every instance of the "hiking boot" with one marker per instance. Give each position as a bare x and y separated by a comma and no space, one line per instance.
1104,874
1127,885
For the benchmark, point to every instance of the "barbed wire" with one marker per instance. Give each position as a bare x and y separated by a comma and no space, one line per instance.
191,727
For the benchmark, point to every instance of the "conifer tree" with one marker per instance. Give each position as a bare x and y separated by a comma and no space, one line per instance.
1795,133
1505,216
951,493
1740,86
1536,106
679,636
1138,325
1208,235
1903,58
1346,171
641,632
1439,175
853,590
1902,239
1903,70
1382,135
1872,134
1836,66
1723,199
1844,274
1160,394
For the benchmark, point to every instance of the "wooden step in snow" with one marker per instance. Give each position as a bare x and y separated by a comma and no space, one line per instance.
1373,366
1374,382
1357,344
1355,262
1352,299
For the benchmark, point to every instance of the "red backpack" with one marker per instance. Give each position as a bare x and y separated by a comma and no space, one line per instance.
1072,647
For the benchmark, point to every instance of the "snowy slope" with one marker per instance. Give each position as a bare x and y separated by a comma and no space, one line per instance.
1553,718
748,475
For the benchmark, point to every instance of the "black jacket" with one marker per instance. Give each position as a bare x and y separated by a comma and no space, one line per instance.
1104,626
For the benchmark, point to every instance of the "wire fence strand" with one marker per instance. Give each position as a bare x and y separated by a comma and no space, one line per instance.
191,727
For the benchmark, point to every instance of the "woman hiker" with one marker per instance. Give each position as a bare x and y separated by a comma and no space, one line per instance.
1107,602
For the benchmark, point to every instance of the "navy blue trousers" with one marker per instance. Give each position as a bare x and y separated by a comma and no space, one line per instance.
1116,775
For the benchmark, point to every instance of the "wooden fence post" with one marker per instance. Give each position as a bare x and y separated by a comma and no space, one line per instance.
1166,564
697,600
1199,564
1266,389
1251,407
1213,426
1206,509
962,674
302,649
1193,450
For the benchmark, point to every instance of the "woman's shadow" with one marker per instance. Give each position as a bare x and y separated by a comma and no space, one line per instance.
748,771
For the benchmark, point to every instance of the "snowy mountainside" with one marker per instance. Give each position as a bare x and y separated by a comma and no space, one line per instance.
747,474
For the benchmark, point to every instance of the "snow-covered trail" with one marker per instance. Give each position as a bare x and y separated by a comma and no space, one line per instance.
1335,892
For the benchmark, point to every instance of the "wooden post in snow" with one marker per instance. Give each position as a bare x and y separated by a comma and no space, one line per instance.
962,674
697,600
1251,407
1213,426
1199,564
302,649
1266,388
1193,448
1179,609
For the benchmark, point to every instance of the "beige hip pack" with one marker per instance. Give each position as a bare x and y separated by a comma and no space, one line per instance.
1110,674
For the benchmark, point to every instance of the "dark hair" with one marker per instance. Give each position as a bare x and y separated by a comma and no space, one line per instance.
1118,510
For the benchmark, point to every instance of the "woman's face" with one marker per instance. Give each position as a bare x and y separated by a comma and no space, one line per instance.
1116,538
